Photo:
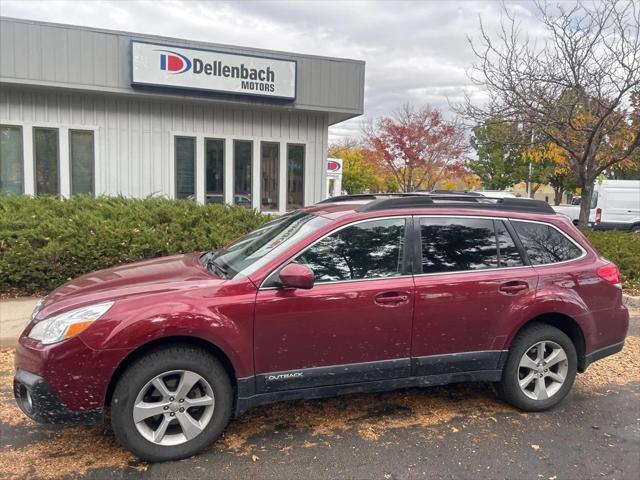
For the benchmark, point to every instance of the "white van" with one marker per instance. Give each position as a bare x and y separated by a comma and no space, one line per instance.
616,205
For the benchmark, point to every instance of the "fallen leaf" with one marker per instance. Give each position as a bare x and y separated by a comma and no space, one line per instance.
535,447
255,458
454,429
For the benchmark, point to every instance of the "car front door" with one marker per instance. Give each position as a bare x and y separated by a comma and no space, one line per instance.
353,326
472,287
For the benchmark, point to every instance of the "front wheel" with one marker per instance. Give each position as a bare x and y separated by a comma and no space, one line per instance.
171,404
540,368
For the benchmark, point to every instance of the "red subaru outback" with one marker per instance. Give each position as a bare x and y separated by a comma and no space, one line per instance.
358,294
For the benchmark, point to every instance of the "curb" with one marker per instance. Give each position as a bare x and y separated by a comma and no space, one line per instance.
631,301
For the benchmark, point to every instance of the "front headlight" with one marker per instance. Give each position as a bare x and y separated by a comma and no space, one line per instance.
67,324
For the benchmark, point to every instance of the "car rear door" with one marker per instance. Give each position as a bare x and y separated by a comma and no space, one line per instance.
472,287
353,326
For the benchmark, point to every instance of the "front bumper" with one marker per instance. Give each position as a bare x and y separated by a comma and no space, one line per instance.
37,400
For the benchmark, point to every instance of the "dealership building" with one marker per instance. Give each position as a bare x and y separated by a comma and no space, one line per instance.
102,112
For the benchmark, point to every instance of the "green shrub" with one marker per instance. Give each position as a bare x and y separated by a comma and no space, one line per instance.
623,249
45,242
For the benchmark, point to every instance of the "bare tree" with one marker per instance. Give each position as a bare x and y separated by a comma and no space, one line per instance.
574,86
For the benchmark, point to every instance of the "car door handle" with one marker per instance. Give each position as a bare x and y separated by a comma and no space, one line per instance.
391,298
513,288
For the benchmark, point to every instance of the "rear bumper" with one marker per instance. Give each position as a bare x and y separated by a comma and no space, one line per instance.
37,400
602,353
610,226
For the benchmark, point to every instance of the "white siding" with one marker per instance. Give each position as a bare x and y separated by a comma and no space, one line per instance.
134,137
79,58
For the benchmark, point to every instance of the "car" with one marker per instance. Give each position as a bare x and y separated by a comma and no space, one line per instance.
363,293
616,206
497,193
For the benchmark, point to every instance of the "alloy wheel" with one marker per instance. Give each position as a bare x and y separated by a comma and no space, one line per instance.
543,370
173,407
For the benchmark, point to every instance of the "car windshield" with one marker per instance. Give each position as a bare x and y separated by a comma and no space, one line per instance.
257,248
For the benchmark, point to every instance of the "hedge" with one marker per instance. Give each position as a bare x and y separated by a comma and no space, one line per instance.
45,241
623,249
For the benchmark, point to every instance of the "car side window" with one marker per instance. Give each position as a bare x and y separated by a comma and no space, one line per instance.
457,244
508,253
366,250
544,244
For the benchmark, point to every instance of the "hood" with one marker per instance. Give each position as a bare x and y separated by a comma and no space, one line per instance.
150,276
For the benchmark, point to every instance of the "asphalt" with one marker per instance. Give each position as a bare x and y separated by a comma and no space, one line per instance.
460,431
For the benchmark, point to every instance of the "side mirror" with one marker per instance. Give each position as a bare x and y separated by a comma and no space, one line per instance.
295,275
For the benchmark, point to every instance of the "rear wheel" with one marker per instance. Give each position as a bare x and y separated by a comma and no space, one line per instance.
171,404
540,368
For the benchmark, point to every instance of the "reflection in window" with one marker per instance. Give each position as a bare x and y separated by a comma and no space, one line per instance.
367,250
47,167
242,155
185,167
259,247
269,174
544,244
295,176
82,161
508,252
214,165
457,244
11,160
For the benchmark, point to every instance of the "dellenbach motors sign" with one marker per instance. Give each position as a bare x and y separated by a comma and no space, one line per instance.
166,66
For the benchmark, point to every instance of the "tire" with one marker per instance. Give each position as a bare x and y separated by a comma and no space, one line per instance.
175,367
517,371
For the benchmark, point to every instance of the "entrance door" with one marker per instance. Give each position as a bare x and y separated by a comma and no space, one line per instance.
354,325
473,288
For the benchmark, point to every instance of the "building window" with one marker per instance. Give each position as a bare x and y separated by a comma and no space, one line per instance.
214,164
81,148
11,160
242,156
269,174
295,176
47,162
185,152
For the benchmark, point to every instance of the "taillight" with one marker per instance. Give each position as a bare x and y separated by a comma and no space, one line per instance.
610,273
598,215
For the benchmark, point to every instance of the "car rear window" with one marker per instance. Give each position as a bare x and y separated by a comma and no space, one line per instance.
507,250
457,244
544,244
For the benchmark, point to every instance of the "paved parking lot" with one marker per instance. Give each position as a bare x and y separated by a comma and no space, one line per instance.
460,431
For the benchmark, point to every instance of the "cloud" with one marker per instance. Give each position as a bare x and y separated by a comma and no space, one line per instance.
415,51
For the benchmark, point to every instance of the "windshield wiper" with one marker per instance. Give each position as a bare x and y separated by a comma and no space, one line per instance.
217,268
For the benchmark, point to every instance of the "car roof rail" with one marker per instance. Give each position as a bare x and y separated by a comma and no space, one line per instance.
458,201
368,196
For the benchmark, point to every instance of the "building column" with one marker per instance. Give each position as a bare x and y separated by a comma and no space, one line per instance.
255,175
282,184
64,162
200,170
28,159
228,171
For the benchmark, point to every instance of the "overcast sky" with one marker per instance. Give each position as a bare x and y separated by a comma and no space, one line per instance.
415,51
